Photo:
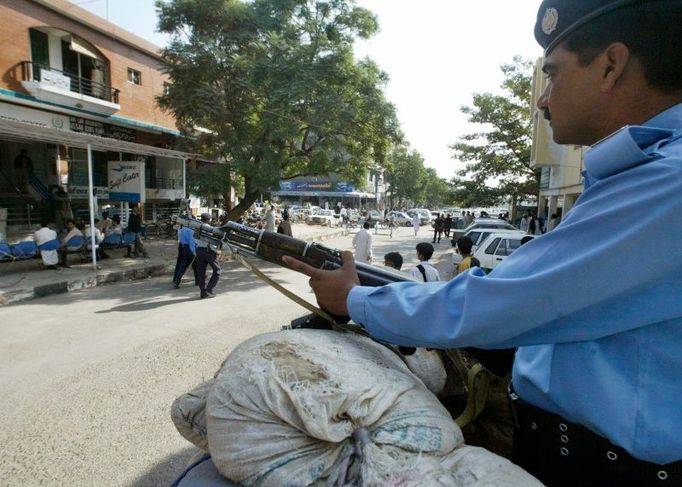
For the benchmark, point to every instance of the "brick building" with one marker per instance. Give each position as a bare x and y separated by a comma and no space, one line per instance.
69,79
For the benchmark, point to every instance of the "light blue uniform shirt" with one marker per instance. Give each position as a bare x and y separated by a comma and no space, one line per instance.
186,237
595,306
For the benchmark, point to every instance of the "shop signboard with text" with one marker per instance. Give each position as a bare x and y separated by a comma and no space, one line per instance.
316,185
126,181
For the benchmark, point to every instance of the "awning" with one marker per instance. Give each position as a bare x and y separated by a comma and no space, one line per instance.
38,133
84,47
325,194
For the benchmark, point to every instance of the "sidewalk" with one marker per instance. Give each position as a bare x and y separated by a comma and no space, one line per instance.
23,280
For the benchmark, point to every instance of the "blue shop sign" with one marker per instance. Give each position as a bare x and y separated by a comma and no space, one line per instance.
319,185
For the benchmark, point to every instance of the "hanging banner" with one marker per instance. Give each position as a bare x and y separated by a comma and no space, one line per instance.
126,181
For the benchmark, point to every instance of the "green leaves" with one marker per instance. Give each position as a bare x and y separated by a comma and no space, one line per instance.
277,85
498,157
412,183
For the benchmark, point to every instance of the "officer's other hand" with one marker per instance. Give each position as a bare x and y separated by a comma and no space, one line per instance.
331,287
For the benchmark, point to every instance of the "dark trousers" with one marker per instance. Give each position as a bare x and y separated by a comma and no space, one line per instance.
185,258
437,234
564,454
139,246
205,258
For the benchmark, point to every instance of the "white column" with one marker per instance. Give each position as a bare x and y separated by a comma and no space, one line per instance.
91,204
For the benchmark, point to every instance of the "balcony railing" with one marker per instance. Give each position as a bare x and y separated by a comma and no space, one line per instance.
164,183
77,84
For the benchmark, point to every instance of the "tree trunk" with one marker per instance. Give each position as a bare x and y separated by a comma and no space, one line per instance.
227,194
250,197
512,214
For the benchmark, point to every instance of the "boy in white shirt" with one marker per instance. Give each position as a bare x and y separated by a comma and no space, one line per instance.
424,271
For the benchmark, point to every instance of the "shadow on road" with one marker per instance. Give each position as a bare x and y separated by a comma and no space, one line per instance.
145,305
167,470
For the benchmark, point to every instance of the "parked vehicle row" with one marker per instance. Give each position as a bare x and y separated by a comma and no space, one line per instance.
497,247
483,223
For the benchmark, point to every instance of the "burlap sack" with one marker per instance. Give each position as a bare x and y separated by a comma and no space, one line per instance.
428,366
188,413
304,407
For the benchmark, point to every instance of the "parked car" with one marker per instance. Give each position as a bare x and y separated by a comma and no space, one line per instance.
483,223
497,247
400,218
353,215
300,215
375,215
479,236
322,217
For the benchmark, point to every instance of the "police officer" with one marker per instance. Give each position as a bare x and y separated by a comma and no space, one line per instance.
206,256
597,375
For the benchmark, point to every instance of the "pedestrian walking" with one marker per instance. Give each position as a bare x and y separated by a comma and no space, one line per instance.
447,225
135,226
187,251
525,223
362,241
437,228
270,219
207,256
415,223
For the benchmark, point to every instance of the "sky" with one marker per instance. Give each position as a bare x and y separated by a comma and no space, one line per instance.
437,53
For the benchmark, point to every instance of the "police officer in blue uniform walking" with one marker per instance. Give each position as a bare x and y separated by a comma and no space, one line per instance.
206,256
595,306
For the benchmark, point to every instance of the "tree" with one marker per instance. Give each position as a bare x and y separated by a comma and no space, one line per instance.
276,89
498,160
437,191
405,174
410,181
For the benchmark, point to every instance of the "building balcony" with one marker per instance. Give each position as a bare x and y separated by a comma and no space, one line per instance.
164,183
55,86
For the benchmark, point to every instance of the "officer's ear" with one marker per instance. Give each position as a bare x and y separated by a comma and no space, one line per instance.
615,61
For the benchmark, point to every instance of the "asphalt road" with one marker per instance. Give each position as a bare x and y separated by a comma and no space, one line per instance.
88,378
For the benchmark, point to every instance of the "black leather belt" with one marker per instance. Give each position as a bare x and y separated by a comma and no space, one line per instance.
559,452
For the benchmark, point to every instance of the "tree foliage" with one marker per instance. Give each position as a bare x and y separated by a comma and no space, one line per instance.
276,87
498,157
410,182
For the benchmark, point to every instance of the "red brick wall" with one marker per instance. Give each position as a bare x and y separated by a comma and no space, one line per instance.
137,101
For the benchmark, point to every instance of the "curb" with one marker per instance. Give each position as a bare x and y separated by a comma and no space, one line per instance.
101,278
85,282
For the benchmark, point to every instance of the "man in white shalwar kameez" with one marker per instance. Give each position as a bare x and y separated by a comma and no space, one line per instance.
363,244
44,235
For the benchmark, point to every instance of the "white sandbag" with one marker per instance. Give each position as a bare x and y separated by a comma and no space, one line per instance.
188,413
302,407
471,466
428,366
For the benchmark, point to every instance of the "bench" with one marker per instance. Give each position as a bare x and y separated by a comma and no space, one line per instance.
118,241
24,250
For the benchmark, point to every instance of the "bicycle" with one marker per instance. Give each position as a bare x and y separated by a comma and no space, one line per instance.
161,228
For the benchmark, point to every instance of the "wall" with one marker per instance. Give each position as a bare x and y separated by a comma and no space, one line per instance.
137,102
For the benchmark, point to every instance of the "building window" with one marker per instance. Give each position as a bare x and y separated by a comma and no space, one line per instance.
134,76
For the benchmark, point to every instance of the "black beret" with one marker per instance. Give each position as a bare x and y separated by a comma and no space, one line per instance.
557,19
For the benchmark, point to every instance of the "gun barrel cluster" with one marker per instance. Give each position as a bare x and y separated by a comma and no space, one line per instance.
271,246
